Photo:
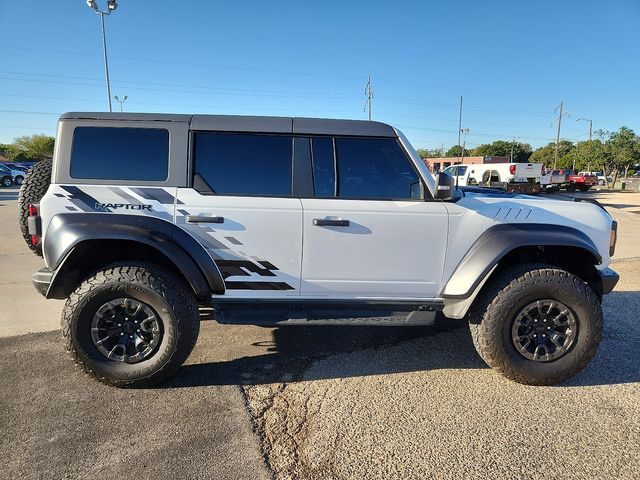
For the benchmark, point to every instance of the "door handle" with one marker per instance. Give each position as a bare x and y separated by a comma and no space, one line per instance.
326,222
204,219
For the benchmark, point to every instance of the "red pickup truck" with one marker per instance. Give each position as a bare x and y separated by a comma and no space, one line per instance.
578,182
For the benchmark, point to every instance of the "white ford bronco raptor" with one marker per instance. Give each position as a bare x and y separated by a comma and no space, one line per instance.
141,218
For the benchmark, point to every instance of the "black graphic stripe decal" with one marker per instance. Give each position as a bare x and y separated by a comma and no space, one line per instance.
258,286
229,268
81,199
157,194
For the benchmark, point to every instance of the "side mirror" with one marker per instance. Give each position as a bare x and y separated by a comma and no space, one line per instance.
445,185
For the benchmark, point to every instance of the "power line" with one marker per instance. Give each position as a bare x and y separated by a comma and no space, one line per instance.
189,86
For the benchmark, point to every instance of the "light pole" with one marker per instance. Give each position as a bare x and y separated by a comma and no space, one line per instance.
464,132
590,131
120,100
590,125
111,6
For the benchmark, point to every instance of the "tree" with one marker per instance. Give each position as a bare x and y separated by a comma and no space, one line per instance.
35,147
587,155
455,151
547,154
433,153
621,151
502,148
624,147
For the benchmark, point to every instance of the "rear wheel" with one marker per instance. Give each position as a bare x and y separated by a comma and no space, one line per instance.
7,181
131,325
584,188
571,187
536,324
32,190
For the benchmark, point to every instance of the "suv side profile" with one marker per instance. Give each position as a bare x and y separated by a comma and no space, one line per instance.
280,221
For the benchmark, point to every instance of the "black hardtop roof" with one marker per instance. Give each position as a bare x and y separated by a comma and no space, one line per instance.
245,123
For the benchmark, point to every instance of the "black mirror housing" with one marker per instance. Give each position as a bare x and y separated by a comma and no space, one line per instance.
445,186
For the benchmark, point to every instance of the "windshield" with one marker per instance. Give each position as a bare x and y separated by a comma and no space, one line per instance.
455,171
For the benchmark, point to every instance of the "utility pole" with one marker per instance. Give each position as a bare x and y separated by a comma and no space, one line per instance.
513,143
369,93
555,159
459,127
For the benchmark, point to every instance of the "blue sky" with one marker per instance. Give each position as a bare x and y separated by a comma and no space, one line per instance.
513,61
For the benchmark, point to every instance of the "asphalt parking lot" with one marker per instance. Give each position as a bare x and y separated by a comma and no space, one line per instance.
317,402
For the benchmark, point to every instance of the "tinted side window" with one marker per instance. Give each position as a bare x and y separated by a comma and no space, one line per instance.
376,169
324,174
108,153
244,164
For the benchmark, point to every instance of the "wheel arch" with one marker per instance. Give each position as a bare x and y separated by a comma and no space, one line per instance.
507,245
78,244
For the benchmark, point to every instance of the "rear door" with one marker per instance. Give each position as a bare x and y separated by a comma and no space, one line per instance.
242,209
369,232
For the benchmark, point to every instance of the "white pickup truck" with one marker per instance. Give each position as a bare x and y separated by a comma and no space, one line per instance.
512,177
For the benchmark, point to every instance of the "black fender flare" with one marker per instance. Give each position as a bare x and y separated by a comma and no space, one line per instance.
498,240
66,231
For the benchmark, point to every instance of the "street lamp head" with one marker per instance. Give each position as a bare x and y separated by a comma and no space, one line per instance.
92,4
112,5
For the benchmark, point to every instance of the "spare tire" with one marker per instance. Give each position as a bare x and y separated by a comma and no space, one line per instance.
33,188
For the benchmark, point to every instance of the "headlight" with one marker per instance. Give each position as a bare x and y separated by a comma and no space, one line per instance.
613,238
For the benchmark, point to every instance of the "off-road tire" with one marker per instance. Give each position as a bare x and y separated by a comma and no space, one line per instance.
33,188
585,188
571,187
493,312
170,298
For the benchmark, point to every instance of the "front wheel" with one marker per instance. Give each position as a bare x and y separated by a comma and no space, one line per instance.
571,187
536,324
131,325
585,188
19,179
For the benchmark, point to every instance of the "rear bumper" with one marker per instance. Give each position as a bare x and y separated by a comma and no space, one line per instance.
609,280
42,280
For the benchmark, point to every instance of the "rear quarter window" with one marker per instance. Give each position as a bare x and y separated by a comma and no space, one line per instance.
111,153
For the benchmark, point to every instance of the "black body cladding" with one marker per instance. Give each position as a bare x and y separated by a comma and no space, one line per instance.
499,240
67,231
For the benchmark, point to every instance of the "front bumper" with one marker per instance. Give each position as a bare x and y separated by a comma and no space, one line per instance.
609,279
42,280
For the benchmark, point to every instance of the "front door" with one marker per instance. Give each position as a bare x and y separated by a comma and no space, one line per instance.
242,210
373,235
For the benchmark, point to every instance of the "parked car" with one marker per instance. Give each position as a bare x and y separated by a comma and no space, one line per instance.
281,221
16,166
16,174
602,180
512,177
6,179
553,180
576,181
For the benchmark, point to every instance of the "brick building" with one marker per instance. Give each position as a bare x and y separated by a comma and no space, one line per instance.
438,164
